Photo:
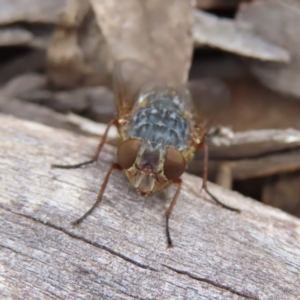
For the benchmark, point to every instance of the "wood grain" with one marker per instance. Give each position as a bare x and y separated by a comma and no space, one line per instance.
119,252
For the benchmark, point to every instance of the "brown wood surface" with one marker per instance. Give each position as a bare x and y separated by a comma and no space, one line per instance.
119,252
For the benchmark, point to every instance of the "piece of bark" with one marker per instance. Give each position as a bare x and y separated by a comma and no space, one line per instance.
119,252
253,143
96,102
228,35
89,39
77,53
157,33
20,36
93,128
228,171
14,37
250,154
30,11
37,113
266,166
279,23
24,83
46,116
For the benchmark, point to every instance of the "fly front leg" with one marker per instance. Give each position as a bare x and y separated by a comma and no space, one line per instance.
204,178
96,156
170,209
100,195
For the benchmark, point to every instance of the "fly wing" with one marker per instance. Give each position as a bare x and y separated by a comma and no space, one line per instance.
130,79
208,98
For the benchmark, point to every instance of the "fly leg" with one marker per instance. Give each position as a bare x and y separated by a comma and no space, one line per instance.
101,192
95,157
170,209
204,178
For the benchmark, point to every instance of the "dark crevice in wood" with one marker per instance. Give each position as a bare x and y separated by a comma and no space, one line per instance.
75,186
73,235
15,251
220,286
119,290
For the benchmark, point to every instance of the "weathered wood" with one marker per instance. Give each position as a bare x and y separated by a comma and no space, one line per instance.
119,252
30,11
225,34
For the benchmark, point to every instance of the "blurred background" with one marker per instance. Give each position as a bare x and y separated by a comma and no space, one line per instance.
57,57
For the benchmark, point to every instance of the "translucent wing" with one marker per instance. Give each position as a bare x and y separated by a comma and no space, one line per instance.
130,79
209,97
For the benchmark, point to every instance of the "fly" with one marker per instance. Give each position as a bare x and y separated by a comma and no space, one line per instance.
159,135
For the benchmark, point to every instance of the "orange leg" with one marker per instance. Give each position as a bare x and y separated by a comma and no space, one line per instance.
95,157
204,178
170,209
99,198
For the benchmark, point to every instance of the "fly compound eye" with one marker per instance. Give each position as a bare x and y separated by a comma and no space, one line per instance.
127,152
174,164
